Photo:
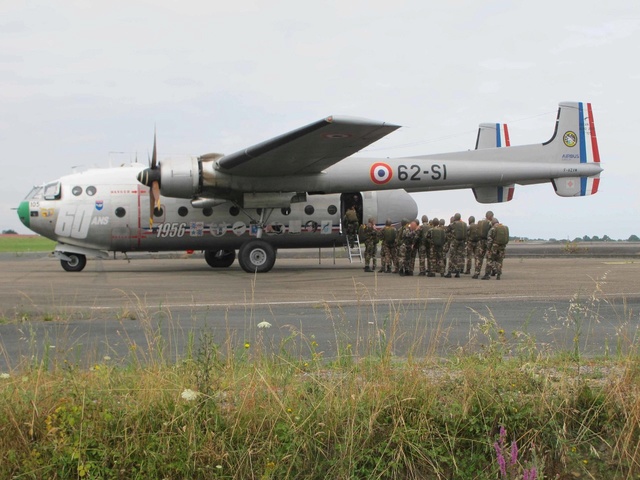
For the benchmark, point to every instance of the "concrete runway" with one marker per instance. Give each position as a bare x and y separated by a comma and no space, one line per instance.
168,302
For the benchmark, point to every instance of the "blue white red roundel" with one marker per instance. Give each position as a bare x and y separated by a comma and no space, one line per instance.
381,173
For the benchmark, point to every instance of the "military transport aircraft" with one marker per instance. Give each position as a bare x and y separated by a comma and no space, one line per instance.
292,190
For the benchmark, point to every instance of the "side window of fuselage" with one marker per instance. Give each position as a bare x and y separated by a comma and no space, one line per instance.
52,191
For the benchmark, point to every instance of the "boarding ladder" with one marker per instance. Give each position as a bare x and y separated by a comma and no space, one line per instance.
354,251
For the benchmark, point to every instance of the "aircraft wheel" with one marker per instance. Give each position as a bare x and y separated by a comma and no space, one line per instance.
219,258
256,256
76,263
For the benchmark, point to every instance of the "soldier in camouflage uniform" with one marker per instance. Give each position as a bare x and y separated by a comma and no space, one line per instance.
408,247
423,246
458,236
473,235
351,223
497,241
399,249
481,249
436,238
371,237
447,245
387,255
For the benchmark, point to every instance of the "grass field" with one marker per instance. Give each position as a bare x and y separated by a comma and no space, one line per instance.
498,408
25,243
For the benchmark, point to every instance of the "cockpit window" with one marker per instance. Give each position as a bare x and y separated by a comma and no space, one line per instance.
52,191
35,193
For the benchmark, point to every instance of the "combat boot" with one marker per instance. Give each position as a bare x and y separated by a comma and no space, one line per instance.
431,274
457,274
367,269
486,277
388,269
448,275
409,273
475,275
401,272
381,270
422,274
498,277
467,272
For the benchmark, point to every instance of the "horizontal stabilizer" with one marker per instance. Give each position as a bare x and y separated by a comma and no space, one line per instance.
494,194
492,135
576,186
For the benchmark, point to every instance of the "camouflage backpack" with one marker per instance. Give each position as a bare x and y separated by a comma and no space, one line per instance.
485,226
474,232
460,230
502,234
438,236
389,235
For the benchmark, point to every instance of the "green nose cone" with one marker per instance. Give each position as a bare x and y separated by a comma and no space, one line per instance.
23,213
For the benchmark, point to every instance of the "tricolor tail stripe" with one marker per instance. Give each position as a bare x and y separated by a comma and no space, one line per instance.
589,151
505,194
502,135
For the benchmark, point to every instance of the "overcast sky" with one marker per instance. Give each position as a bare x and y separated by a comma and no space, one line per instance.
83,84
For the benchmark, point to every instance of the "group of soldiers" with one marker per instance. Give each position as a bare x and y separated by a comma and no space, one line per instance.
451,250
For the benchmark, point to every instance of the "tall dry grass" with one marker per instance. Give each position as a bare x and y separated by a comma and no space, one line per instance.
254,407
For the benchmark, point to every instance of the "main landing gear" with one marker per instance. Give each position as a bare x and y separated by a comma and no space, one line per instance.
219,258
256,256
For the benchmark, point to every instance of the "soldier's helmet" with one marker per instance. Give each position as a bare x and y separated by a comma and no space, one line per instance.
435,221
372,220
472,219
489,214
405,221
442,222
457,217
494,220
425,219
388,222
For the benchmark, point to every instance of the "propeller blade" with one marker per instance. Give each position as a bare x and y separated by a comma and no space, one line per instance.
150,178
155,188
151,204
154,157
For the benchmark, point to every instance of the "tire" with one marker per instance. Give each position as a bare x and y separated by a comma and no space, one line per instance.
256,256
219,258
76,263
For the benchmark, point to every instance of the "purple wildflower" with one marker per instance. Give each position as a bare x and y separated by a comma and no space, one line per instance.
514,452
501,461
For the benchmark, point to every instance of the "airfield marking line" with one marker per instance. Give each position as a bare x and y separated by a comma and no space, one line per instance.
376,301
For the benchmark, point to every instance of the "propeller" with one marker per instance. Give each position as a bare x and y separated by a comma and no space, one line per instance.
151,178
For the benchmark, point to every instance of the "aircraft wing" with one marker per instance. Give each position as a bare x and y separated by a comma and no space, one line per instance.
306,150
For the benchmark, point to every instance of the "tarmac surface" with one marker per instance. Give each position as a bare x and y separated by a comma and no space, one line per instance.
163,305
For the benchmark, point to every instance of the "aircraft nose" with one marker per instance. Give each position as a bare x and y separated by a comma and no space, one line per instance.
23,213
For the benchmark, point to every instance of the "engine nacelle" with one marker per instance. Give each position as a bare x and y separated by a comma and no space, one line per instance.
180,178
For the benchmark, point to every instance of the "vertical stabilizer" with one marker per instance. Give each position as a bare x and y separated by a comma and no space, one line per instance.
493,135
575,142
